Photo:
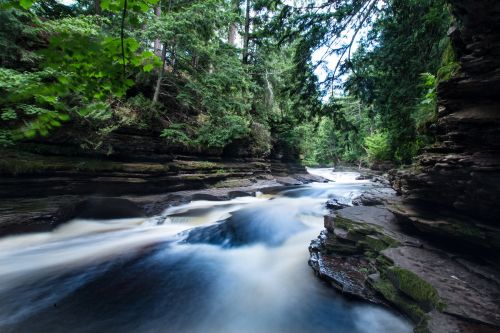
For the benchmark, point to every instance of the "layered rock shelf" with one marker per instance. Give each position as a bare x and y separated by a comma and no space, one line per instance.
367,253
461,172
42,182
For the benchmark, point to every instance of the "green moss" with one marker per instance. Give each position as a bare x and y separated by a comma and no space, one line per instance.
19,163
383,262
402,288
464,230
391,242
378,242
370,254
450,65
386,289
235,182
359,233
364,271
355,230
422,327
25,163
196,165
367,237
391,294
416,288
220,171
374,243
343,223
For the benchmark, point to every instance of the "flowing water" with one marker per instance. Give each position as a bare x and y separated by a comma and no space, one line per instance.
207,266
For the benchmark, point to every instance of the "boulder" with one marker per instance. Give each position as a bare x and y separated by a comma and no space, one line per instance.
335,204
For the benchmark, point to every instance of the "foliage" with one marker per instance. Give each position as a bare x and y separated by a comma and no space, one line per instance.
377,147
27,96
218,132
81,68
19,38
260,140
176,133
396,42
406,40
96,70
426,111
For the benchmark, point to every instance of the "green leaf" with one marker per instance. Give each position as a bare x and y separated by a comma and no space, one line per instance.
55,123
63,117
30,134
148,67
26,4
132,44
105,4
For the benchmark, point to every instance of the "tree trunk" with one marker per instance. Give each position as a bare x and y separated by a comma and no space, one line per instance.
231,38
157,45
160,74
233,28
246,37
97,7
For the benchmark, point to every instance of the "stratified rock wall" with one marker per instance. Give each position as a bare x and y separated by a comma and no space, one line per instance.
462,171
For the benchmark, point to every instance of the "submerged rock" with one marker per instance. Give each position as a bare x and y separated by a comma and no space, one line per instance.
335,204
244,227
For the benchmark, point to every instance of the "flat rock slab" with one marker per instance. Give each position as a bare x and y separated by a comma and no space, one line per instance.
444,323
374,197
381,217
467,294
376,215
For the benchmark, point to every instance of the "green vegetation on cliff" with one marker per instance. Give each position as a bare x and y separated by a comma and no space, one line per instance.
232,77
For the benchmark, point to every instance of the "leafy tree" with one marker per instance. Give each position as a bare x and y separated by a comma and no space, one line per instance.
211,74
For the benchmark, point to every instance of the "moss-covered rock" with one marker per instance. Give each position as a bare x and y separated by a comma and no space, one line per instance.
416,288
398,268
406,305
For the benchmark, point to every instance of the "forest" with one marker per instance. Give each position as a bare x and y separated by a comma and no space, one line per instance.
228,75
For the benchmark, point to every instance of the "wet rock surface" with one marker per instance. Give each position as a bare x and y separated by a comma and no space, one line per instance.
97,208
369,253
335,204
346,274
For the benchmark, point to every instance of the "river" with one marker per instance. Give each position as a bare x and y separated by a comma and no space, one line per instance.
206,266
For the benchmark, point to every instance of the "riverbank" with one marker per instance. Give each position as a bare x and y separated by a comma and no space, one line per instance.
367,251
227,266
40,199
371,253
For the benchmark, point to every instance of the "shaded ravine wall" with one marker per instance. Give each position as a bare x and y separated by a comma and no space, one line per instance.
461,173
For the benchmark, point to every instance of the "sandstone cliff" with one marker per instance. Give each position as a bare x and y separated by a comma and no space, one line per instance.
460,175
